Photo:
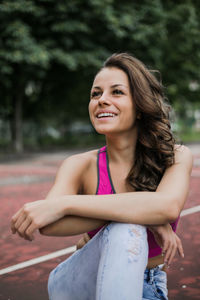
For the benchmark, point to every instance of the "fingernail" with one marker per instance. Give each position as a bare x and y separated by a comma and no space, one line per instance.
166,264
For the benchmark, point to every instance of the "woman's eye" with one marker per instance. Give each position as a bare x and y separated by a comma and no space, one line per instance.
95,94
118,92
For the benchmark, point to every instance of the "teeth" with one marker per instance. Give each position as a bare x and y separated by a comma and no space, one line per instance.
105,115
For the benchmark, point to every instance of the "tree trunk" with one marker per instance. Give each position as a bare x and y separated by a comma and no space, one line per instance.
17,125
16,118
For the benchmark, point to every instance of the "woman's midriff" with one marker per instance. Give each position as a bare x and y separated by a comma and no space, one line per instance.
155,261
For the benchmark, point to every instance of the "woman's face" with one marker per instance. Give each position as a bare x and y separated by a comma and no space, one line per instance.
111,107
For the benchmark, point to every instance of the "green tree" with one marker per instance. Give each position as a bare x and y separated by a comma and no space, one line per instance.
50,50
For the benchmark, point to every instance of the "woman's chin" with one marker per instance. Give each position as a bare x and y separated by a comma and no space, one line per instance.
106,131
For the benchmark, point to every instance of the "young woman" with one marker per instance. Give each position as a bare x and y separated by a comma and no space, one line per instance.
128,195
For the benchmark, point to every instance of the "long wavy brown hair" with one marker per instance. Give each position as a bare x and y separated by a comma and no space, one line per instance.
155,144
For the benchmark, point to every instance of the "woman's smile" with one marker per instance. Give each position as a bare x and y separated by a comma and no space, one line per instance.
103,115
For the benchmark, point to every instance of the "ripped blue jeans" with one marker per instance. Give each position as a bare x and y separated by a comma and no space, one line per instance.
111,266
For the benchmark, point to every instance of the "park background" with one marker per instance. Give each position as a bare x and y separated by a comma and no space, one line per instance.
51,50
49,53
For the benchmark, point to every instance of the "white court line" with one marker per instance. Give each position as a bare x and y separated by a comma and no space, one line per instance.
190,211
38,260
69,250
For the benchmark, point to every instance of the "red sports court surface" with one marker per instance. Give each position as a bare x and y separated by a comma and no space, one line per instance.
30,179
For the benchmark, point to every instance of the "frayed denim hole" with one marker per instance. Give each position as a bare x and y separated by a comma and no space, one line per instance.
134,243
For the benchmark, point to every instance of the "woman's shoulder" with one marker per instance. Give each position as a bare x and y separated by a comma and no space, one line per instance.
80,161
82,170
182,150
183,155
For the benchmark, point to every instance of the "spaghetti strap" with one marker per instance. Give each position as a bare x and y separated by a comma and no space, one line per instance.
105,185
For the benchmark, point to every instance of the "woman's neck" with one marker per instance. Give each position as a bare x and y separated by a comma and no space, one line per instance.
121,148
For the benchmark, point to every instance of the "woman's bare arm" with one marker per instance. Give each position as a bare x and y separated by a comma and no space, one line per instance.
72,225
68,182
160,207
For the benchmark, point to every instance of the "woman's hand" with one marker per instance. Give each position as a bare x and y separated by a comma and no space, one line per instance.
83,241
35,215
168,240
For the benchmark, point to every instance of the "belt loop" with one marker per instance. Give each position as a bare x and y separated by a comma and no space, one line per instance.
151,276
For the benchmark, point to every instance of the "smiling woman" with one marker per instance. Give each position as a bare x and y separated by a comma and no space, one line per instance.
110,194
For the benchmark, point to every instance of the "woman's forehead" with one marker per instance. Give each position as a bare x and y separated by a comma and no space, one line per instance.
111,76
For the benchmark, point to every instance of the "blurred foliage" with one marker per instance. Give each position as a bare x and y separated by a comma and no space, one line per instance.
50,51
189,136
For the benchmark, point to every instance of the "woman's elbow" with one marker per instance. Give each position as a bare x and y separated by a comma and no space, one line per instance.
172,213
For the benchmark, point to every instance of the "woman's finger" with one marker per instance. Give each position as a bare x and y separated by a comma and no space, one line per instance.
86,237
21,218
180,247
165,247
13,221
31,229
83,241
80,244
22,229
167,253
172,254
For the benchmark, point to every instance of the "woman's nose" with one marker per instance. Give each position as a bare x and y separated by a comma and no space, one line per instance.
104,99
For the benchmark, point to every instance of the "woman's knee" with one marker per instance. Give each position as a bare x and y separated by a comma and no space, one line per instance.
132,237
117,229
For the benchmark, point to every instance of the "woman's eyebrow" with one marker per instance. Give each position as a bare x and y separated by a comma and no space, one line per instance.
118,84
96,87
112,86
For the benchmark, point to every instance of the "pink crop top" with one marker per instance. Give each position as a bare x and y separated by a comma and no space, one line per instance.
105,186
